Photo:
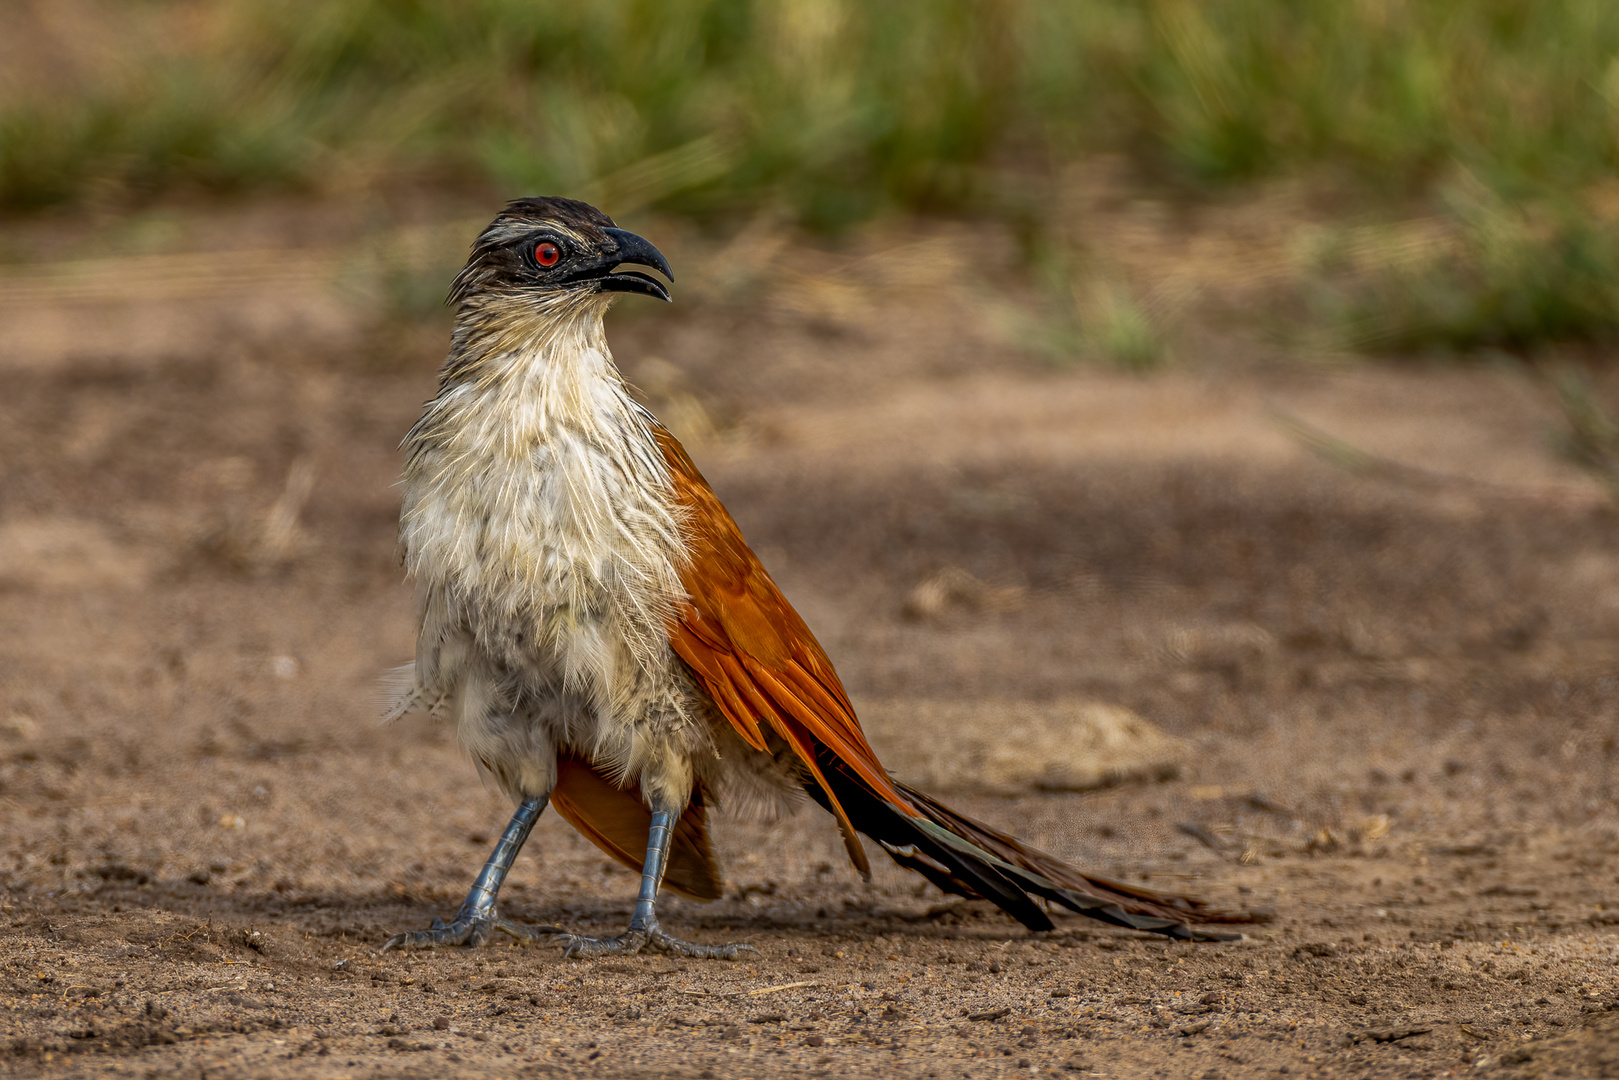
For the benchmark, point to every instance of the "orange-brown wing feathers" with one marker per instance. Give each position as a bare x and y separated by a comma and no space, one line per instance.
770,678
753,653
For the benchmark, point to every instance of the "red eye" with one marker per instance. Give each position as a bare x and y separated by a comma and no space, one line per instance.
547,253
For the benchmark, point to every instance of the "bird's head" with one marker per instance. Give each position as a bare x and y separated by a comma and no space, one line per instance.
555,248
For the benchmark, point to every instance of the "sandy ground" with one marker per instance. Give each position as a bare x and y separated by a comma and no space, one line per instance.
1399,699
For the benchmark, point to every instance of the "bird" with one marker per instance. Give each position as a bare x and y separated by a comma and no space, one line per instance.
606,643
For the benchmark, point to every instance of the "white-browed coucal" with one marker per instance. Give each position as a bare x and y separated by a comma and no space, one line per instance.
604,639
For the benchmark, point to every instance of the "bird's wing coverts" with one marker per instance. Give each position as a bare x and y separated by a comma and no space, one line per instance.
753,654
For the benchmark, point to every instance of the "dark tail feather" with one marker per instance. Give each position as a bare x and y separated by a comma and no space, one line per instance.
1044,875
969,858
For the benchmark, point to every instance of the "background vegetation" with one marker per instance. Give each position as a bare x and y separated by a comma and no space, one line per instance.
1499,116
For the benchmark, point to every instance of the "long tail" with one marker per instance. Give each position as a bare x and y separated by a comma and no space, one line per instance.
968,858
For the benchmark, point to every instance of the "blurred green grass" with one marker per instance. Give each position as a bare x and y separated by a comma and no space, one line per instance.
831,112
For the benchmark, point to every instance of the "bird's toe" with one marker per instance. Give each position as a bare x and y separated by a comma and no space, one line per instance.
666,943
469,930
460,932
589,948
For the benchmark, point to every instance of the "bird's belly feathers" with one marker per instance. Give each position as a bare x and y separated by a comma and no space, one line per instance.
545,583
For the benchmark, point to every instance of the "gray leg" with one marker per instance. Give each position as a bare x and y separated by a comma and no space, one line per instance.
644,932
478,916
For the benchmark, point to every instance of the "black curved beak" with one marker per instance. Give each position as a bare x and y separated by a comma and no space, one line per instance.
635,250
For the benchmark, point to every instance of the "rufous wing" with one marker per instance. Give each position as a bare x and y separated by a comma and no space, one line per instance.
755,656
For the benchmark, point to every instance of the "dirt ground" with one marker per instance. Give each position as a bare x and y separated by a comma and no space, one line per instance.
1400,695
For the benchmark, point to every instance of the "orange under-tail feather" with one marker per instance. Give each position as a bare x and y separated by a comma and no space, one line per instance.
617,820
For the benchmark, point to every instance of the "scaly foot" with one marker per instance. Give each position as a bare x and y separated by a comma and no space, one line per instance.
469,930
634,941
